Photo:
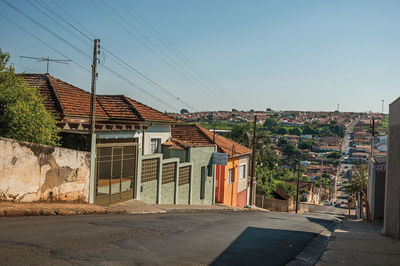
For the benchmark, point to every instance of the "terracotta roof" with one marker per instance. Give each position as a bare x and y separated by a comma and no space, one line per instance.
196,134
150,114
281,194
41,82
226,145
117,107
74,101
64,99
175,144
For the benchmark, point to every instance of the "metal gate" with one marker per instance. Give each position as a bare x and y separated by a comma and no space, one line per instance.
115,172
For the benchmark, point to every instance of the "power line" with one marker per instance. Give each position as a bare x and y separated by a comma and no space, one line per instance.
55,21
46,28
152,30
44,43
136,86
74,47
147,79
153,50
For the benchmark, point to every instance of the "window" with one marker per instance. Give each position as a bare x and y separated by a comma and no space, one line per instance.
203,182
242,171
231,178
155,145
209,169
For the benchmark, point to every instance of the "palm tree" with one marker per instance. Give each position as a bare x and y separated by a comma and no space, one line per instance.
359,183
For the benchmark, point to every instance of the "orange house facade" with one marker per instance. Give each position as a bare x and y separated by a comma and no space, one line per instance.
232,182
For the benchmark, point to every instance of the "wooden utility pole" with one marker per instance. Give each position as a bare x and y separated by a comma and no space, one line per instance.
298,185
93,121
253,162
93,87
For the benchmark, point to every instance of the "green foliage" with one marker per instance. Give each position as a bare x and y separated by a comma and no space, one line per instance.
295,131
384,125
282,131
322,130
358,183
271,123
287,187
308,144
334,155
184,111
22,112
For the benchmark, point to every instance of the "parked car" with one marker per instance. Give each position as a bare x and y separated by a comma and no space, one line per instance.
327,203
338,204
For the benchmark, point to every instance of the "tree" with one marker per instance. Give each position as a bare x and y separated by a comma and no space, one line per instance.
334,155
184,111
271,123
358,183
282,131
307,144
295,131
23,115
234,110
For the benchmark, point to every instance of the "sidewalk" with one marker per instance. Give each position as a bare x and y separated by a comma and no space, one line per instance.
135,207
12,209
360,243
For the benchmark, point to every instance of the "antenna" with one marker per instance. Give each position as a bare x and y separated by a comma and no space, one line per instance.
47,59
338,105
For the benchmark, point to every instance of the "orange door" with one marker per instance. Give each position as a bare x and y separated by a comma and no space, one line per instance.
219,186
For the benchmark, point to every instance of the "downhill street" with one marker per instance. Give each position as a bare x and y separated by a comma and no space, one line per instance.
229,238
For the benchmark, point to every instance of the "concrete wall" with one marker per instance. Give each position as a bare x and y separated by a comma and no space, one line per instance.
32,172
183,194
148,191
200,157
392,190
275,204
168,193
376,188
242,182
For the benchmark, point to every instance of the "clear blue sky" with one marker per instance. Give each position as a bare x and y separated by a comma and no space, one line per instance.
297,55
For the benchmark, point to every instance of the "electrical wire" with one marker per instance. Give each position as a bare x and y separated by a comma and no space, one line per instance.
143,76
43,42
153,31
153,50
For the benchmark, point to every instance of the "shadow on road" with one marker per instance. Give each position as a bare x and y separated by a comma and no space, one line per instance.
261,246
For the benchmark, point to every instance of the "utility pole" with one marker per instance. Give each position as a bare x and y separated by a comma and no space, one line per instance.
253,162
214,135
338,105
298,185
383,101
373,137
96,51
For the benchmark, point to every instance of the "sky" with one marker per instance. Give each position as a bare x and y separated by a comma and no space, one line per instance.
216,55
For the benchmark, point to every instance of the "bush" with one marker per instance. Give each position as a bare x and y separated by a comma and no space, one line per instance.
23,115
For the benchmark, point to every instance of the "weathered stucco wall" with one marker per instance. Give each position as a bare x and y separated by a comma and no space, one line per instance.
32,172
201,157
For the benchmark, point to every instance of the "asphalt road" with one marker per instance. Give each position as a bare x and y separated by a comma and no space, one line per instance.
217,238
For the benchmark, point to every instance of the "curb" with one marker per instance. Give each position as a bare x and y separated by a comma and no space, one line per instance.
316,247
18,212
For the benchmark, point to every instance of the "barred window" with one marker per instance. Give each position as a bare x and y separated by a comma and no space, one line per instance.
168,173
184,175
149,170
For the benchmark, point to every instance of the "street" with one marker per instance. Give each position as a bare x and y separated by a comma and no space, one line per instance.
218,238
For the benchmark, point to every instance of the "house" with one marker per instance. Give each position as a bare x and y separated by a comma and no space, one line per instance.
200,154
126,131
231,187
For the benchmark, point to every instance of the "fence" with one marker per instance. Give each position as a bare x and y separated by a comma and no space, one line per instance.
275,204
165,181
